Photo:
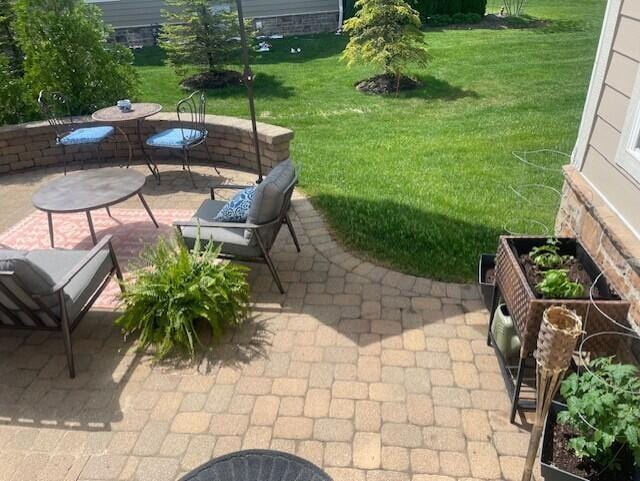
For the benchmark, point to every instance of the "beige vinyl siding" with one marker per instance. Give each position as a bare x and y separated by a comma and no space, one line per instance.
600,167
134,13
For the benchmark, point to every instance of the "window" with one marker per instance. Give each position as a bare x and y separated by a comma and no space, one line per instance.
628,155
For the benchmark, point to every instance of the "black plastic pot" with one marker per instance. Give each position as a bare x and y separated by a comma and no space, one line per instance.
548,470
487,262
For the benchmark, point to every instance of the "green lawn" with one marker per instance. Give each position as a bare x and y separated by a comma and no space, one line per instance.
422,182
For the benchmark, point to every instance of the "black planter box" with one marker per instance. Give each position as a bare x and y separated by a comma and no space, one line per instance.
486,262
548,470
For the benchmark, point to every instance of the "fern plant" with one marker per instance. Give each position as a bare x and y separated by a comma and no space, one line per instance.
604,408
174,289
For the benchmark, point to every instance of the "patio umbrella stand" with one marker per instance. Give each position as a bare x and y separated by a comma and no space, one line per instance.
557,340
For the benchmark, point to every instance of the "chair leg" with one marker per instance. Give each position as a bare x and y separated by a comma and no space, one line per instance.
99,155
66,334
154,170
206,146
64,159
187,162
287,219
516,391
270,264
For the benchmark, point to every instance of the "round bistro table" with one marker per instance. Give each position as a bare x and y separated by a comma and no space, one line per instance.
89,190
257,465
138,113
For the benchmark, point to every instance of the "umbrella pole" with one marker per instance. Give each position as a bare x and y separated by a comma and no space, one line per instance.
247,76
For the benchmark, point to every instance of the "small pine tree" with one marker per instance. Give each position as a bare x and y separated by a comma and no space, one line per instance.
385,33
66,50
199,34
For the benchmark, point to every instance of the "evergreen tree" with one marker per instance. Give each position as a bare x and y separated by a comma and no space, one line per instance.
385,33
66,50
198,33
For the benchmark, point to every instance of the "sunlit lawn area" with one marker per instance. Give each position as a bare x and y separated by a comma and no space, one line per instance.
422,182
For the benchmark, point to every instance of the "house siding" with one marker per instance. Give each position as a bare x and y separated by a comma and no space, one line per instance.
135,13
599,164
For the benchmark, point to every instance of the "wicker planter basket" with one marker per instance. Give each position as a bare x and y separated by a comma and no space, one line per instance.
526,307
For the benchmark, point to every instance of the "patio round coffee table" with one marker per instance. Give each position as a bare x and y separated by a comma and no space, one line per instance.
257,465
88,190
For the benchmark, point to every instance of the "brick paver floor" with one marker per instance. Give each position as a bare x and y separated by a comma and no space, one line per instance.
372,374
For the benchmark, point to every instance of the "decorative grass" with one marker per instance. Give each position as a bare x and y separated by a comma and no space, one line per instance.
422,182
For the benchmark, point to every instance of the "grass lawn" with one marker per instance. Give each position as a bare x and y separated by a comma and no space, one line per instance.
423,182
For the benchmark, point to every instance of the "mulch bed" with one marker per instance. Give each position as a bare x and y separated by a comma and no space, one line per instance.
212,80
383,84
564,458
492,22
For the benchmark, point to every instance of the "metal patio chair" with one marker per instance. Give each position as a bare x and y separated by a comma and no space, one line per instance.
253,239
54,106
52,290
191,133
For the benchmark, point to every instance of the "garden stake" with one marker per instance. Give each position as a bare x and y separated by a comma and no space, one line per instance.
557,340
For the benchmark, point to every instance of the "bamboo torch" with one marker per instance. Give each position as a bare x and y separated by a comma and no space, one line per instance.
557,340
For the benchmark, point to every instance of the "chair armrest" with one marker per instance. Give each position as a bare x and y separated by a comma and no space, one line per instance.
213,187
104,242
224,225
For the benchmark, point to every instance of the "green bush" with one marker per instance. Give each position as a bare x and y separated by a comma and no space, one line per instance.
437,8
604,408
174,290
65,48
439,20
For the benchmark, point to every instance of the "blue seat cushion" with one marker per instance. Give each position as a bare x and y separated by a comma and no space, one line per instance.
87,135
237,208
175,138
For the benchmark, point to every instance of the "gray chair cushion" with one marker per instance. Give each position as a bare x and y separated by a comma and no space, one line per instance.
270,195
57,263
40,270
233,241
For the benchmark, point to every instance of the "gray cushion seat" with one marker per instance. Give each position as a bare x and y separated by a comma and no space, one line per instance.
40,270
234,242
265,207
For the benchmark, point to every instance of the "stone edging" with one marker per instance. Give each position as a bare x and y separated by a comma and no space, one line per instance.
30,145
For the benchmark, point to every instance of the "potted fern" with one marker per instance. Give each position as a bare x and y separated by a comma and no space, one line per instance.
596,435
177,296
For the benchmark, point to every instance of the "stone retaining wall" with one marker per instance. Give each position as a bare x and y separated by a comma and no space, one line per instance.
584,214
297,24
33,144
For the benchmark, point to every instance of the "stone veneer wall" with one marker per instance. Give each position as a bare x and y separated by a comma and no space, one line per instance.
298,24
25,146
616,249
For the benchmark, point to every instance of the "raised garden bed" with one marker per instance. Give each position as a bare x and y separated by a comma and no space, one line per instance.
559,463
517,281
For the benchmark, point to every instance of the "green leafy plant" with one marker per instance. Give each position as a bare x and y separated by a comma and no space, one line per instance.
66,50
604,409
200,33
556,284
175,289
386,34
547,256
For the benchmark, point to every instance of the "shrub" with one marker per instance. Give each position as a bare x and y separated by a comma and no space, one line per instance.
385,33
478,7
64,42
439,20
459,18
175,289
196,34
604,408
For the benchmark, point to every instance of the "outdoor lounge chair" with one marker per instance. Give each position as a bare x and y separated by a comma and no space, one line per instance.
190,134
52,290
55,108
253,239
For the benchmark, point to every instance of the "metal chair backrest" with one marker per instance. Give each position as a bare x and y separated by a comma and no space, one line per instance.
19,308
284,209
54,106
191,115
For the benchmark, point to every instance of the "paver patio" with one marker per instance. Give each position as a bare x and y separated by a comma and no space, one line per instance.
372,374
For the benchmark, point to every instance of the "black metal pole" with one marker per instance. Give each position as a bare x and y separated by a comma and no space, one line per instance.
247,76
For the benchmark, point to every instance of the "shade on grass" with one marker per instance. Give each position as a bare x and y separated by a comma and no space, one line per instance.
422,182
